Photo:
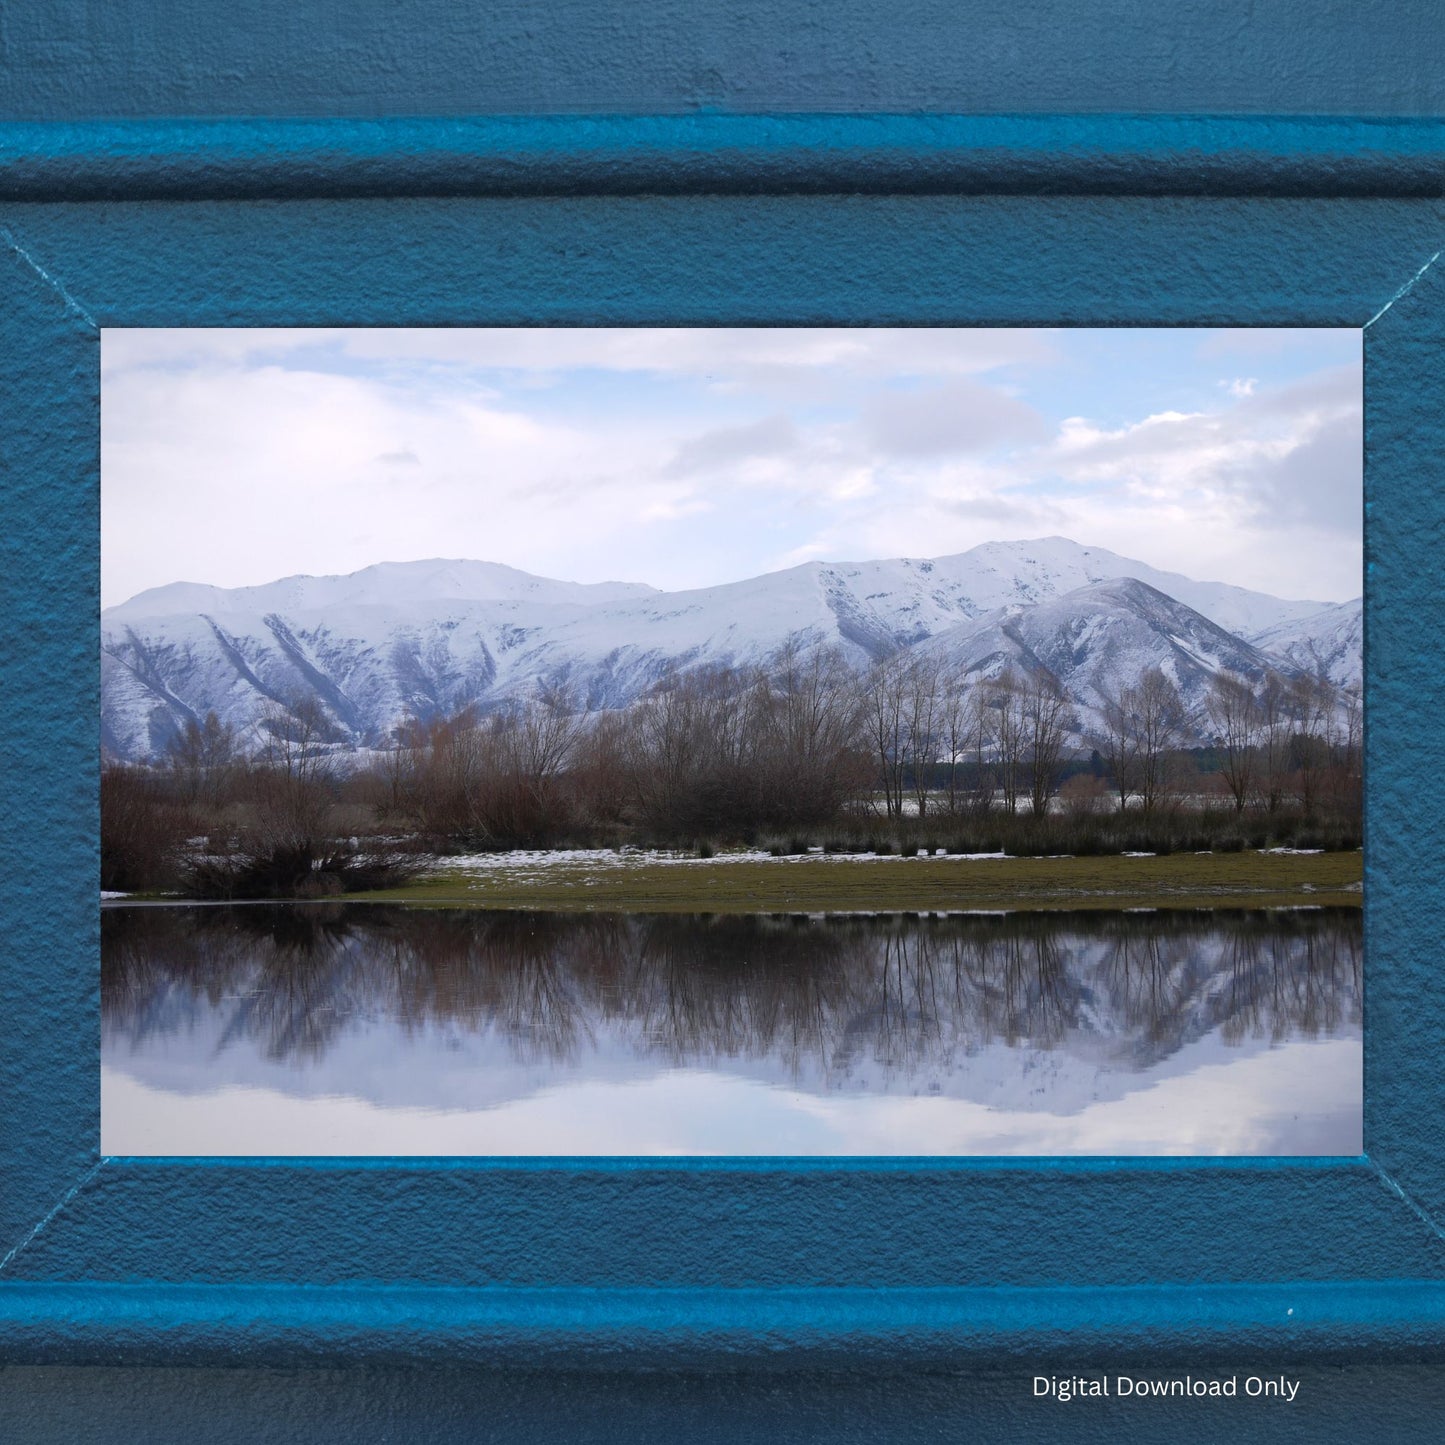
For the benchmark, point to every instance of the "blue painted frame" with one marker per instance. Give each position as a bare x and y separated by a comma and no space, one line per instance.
857,220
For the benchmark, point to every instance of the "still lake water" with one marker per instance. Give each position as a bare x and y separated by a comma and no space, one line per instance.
365,1029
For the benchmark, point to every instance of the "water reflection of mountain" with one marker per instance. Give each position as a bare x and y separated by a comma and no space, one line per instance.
814,1000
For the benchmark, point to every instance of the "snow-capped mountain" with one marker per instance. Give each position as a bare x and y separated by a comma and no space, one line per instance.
401,639
1330,641
385,584
1099,639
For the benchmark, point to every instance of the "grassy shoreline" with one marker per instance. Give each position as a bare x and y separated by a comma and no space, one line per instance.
817,884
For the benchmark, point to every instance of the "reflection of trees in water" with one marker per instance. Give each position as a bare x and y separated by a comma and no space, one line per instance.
735,986
900,993
295,991
1310,990
530,976
295,975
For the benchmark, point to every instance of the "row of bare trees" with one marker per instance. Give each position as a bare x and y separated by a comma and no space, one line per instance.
929,723
1277,741
716,750
800,742
1297,739
223,819
795,743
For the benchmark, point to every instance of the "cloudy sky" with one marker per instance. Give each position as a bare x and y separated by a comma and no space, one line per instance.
691,457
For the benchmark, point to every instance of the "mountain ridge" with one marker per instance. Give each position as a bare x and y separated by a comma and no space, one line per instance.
398,639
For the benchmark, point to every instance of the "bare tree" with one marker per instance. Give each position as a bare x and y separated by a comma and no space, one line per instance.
1345,778
886,699
924,721
1312,704
498,778
1120,743
528,747
1046,718
1161,727
293,783
981,721
600,768
688,743
202,759
1004,699
1275,733
960,734
395,775
808,743
1143,726
1234,722
142,833
438,770
662,752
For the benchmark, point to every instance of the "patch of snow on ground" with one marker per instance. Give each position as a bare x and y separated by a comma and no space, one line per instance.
632,857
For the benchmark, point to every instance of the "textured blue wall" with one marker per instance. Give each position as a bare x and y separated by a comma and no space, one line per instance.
927,1292
76,59
1401,1402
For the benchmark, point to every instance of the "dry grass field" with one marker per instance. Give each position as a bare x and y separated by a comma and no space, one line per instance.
654,883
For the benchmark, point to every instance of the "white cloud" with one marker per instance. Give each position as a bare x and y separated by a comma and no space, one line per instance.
961,415
735,355
725,447
686,457
261,473
1243,452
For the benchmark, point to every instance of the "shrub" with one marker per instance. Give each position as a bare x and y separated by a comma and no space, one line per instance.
141,834
304,870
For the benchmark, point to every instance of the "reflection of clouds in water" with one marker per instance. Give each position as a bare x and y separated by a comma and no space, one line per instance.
1300,1098
547,1033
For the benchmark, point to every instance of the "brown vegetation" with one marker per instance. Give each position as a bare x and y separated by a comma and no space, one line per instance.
800,753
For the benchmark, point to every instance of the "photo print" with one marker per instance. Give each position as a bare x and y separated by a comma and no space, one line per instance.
779,741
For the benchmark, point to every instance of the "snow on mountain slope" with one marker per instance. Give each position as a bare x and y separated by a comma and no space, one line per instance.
426,637
1003,574
385,584
1329,641
1100,639
373,664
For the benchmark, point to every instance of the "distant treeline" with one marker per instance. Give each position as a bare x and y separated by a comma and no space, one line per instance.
802,751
